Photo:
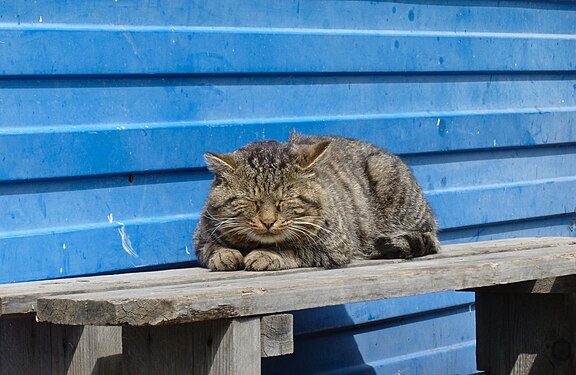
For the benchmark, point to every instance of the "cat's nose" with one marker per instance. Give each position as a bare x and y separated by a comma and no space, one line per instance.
268,222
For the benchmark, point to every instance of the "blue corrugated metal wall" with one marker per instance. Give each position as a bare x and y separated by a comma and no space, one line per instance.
107,106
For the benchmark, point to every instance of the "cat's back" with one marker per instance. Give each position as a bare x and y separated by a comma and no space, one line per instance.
379,198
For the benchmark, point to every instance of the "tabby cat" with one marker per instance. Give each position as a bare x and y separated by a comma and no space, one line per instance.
311,202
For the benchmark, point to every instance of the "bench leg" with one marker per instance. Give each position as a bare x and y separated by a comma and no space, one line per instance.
213,347
523,333
24,347
31,348
86,350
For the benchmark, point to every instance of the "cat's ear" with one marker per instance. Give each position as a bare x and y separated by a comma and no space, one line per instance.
311,154
219,163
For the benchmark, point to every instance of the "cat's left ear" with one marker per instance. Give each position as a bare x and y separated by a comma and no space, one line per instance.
311,154
219,163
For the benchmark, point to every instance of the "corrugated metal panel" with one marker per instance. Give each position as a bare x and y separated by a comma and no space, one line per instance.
107,107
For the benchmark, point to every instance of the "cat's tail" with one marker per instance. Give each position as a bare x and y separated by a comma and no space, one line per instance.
406,245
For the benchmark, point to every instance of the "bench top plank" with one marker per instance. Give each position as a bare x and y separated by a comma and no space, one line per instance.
239,294
21,298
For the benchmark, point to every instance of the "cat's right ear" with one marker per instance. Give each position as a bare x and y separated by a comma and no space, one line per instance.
310,154
219,163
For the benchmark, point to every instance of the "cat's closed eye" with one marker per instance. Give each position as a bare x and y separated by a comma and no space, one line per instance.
280,205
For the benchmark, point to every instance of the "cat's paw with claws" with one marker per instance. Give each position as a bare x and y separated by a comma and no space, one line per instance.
226,260
263,260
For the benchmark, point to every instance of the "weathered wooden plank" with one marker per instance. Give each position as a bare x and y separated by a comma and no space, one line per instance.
522,334
277,335
86,350
564,284
213,347
273,294
241,351
29,348
21,298
24,347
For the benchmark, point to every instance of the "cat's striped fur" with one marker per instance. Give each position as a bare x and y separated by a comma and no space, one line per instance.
311,202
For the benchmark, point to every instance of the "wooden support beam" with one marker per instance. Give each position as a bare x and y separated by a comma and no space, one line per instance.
28,347
24,347
277,335
31,348
212,347
526,334
86,350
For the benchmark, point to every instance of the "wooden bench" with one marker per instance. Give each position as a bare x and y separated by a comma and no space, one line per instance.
195,321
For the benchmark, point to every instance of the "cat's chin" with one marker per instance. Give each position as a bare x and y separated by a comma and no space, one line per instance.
268,238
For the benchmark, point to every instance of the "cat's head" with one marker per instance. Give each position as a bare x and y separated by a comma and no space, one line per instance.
266,193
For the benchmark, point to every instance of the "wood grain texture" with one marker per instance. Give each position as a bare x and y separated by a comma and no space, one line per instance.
86,350
526,334
30,348
562,285
268,293
277,335
22,297
214,347
24,347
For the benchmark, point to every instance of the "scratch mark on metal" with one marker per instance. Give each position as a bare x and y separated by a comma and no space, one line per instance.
130,40
126,243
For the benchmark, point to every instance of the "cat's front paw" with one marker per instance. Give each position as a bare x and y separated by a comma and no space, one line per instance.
268,260
226,260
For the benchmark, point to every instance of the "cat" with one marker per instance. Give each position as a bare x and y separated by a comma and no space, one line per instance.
314,201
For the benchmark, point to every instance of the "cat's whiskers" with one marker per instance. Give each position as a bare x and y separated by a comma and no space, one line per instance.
297,229
317,226
228,221
225,225
298,235
308,218
292,236
216,229
237,231
302,232
219,220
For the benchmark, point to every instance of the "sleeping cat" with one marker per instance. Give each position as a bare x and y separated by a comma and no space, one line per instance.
311,202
